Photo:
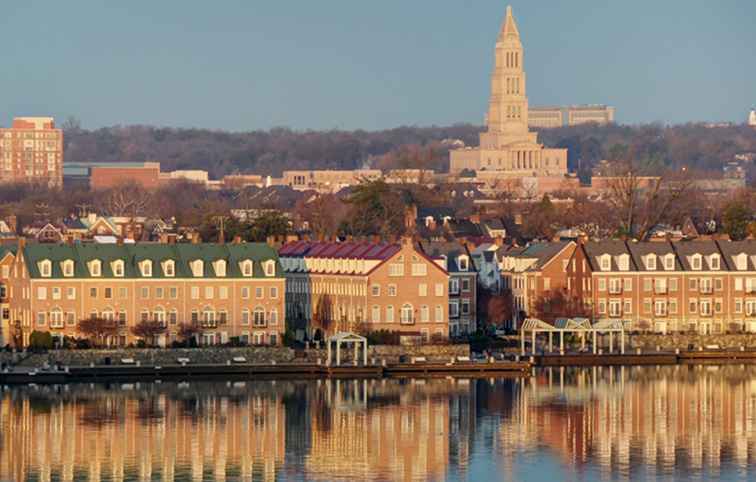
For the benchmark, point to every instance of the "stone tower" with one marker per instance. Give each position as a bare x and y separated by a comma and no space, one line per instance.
507,148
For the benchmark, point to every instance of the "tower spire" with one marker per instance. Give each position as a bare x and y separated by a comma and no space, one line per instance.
509,28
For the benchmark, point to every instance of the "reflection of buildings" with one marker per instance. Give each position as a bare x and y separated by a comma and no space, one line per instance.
632,420
118,435
403,432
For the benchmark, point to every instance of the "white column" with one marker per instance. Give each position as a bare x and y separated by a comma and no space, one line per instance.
561,342
594,342
551,344
365,355
356,353
622,341
329,352
611,341
338,353
582,341
522,341
532,343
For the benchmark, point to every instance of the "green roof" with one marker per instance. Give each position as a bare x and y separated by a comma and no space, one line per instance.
133,254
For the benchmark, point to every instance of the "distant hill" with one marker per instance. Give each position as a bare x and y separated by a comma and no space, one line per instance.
278,149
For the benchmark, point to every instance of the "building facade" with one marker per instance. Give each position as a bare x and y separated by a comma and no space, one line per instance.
507,146
326,180
548,117
31,150
354,286
231,291
545,117
699,286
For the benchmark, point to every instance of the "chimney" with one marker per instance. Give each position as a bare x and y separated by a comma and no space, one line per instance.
12,223
518,219
237,239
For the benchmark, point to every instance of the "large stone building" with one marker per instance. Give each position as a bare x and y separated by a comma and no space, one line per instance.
361,286
507,147
547,117
31,150
227,291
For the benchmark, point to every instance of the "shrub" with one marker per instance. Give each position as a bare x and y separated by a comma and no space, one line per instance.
40,341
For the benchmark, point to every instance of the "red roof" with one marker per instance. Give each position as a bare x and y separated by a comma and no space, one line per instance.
347,250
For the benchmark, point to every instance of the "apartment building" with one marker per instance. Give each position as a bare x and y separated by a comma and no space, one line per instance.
365,286
703,286
31,150
457,261
7,256
534,271
228,291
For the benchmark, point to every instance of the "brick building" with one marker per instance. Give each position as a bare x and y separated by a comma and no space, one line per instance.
32,151
231,290
352,286
703,286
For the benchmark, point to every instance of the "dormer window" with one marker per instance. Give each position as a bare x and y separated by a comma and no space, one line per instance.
464,263
695,262
95,268
651,262
246,267
146,268
623,262
67,267
605,262
669,262
117,268
169,268
741,261
714,262
220,267
45,268
270,268
197,268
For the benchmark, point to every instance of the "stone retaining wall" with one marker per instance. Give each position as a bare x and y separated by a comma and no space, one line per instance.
162,356
671,341
391,353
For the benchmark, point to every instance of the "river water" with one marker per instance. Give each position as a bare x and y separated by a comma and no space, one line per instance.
649,423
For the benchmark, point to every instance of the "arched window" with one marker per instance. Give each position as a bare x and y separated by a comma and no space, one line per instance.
208,316
169,268
117,267
197,267
407,314
68,268
45,268
146,268
56,318
95,268
246,267
220,267
159,314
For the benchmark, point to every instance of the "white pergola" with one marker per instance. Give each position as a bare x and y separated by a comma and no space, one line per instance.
583,326
347,337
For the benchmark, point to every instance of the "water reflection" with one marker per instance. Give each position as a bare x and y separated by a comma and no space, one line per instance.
603,423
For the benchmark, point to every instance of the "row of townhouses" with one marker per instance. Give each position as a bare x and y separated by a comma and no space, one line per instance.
704,286
244,292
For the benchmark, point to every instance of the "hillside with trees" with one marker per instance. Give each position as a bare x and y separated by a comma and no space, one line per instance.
657,147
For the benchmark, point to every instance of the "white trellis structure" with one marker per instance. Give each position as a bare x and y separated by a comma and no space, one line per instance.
581,326
354,339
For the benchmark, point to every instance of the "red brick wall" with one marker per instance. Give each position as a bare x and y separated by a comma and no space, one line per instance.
107,177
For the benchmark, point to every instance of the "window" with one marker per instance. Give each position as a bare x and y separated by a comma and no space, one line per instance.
419,269
56,318
274,292
464,263
738,284
407,313
270,268
602,284
169,268
453,308
672,306
117,268
246,268
439,289
628,284
195,291
660,308
672,285
692,305
705,308
465,285
245,292
615,285
223,292
714,262
245,317
56,293
173,317
391,291
144,315
209,292
41,318
718,284
159,315
465,307
145,292
424,314
220,267
197,267
606,263
396,269
45,268
108,293
71,293
628,307
695,262
422,289
68,268
258,293
122,317
195,317
660,285
614,308
173,292
95,268
70,318
389,314
41,292
601,306
375,315
375,290
222,317
453,286
259,316
648,284
693,284
647,306
651,262
705,285
273,316
123,292
439,315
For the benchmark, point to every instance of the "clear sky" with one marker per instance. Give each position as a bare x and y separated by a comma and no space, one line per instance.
251,64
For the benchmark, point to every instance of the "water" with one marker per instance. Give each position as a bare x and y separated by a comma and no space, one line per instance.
665,423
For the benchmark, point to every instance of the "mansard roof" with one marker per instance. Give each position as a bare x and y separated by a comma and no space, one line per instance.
347,250
133,254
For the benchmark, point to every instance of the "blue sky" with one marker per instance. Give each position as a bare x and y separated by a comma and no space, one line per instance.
251,64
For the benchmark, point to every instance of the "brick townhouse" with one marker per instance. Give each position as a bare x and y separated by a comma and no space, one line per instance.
369,286
227,290
457,261
533,271
704,286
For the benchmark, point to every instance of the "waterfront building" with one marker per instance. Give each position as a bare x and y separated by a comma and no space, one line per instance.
535,271
229,291
365,286
700,286
31,150
507,147
463,276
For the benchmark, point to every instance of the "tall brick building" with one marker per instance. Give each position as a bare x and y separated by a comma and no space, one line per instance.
32,151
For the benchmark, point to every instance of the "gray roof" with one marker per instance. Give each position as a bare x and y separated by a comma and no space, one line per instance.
451,251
